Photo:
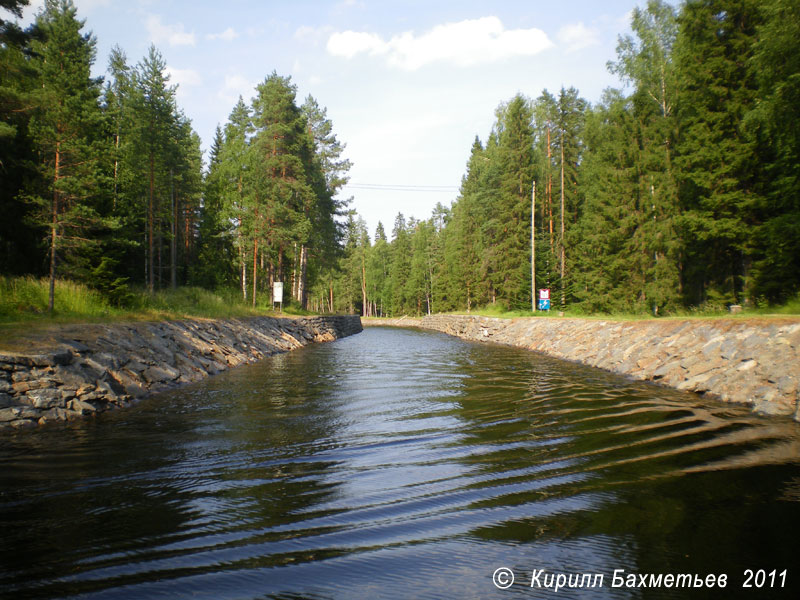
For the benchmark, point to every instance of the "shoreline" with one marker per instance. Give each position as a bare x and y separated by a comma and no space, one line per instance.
747,361
80,370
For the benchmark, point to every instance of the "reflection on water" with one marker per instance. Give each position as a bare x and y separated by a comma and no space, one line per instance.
399,464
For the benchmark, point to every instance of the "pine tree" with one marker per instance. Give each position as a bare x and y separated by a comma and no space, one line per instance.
327,174
378,263
400,267
66,131
569,124
283,195
154,126
545,111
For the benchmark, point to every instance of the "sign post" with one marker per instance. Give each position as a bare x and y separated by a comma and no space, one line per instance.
544,299
277,294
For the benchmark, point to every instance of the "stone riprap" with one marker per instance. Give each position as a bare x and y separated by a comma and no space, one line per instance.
753,361
90,369
391,322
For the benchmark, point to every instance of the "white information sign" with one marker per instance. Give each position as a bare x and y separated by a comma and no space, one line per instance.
277,291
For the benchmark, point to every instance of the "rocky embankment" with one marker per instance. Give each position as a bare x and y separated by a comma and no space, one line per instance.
753,361
89,369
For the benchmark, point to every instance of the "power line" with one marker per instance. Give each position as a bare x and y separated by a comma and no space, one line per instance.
399,187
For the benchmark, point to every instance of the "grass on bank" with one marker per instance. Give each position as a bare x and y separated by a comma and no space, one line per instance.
23,303
790,308
23,300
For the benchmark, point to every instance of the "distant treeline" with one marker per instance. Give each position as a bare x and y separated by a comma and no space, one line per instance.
103,182
683,192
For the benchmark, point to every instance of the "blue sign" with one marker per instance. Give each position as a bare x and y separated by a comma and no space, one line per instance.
544,304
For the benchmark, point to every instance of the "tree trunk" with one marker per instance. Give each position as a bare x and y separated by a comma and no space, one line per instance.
363,283
295,261
160,246
51,299
533,248
243,261
150,220
302,291
549,190
255,265
173,246
563,296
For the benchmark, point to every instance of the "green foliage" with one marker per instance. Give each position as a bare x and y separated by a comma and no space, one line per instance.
678,195
24,300
717,166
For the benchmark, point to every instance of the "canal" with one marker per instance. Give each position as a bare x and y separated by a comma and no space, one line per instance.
404,464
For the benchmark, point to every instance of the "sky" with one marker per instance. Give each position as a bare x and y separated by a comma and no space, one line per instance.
407,84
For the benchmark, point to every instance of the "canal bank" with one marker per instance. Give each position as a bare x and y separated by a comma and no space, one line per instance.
753,361
85,369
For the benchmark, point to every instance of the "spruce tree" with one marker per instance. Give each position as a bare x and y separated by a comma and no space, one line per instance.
717,164
515,179
774,125
20,234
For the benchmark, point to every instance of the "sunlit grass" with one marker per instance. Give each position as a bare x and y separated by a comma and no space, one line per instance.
790,308
23,301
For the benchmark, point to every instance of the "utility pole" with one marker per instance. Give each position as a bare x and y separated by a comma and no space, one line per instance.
563,296
533,248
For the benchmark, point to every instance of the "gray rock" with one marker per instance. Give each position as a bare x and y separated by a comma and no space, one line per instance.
76,346
160,374
71,376
9,414
9,359
62,357
54,414
81,406
6,400
767,407
46,398
665,369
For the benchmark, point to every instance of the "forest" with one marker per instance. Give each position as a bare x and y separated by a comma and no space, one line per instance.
679,190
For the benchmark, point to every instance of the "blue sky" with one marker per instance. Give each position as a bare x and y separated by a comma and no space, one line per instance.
407,84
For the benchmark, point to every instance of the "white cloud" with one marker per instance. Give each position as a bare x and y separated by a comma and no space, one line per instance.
314,35
577,36
184,77
466,43
226,36
236,85
30,11
350,43
174,35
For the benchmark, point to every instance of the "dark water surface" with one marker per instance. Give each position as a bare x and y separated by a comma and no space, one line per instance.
401,464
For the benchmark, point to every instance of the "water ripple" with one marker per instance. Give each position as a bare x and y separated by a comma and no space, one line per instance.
393,464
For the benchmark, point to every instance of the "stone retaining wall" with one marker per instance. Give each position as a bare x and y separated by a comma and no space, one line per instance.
753,361
93,368
391,322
